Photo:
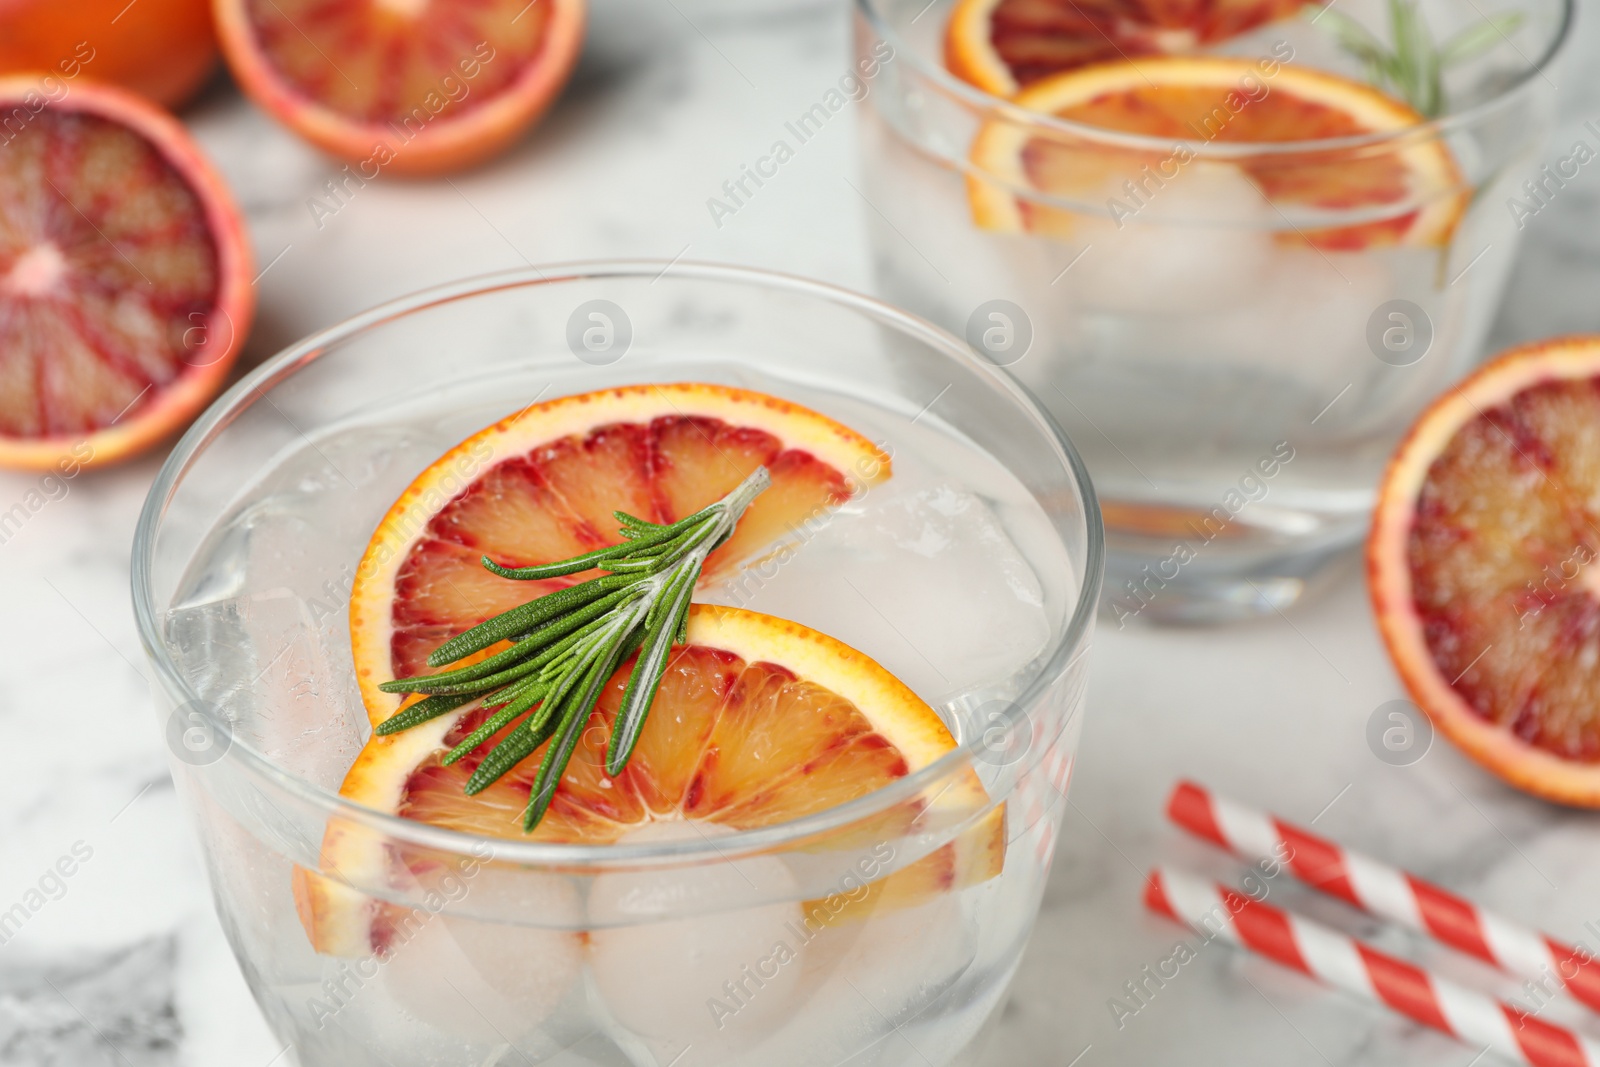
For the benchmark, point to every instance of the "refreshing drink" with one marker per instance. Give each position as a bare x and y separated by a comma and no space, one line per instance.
1234,257
829,842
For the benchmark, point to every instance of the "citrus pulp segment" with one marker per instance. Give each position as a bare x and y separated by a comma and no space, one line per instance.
1183,101
1003,46
125,277
404,86
1480,566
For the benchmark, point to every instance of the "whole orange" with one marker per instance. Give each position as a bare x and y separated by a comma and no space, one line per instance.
161,49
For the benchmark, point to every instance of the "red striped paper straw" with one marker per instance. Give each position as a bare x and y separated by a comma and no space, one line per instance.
1386,891
1358,968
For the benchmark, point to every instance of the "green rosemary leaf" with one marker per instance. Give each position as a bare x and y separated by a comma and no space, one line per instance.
547,643
1352,36
526,618
421,712
654,535
487,729
632,525
1475,41
588,560
1412,65
1401,18
434,683
575,716
517,701
558,705
517,746
648,670
1432,88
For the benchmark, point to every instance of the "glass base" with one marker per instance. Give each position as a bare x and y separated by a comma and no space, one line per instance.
1151,585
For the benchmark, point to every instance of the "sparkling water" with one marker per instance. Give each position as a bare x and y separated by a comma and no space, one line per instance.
949,574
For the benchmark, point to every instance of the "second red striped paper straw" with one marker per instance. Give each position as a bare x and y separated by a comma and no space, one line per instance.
1358,968
1386,892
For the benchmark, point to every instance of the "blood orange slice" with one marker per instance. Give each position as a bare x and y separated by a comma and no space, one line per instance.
404,86
1481,565
1413,186
757,721
541,486
1003,46
125,276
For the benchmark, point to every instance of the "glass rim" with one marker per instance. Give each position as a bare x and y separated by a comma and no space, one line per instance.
1062,654
1429,128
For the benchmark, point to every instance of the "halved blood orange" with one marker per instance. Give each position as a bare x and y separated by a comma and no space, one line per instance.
161,49
1004,46
1412,185
403,86
125,276
1481,566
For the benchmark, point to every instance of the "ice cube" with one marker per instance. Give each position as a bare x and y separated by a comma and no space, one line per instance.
917,573
710,983
486,981
1200,241
263,668
865,977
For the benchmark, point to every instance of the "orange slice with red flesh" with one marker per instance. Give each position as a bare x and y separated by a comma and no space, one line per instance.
403,86
758,721
1004,46
125,276
1413,186
1482,560
541,486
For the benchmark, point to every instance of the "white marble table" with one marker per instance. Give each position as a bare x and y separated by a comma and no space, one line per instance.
123,962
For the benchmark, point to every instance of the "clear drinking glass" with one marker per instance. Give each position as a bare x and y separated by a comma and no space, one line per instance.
1234,367
242,565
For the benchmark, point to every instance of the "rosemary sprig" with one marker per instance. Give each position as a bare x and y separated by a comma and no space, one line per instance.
1413,67
564,645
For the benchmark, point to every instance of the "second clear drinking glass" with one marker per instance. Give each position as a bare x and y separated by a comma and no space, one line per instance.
1234,350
